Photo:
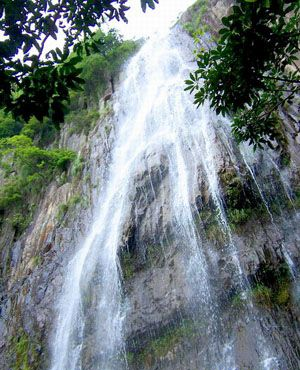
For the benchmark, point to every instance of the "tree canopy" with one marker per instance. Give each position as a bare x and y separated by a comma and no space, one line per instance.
252,70
34,81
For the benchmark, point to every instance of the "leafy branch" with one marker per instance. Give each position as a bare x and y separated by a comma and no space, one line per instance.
251,72
31,85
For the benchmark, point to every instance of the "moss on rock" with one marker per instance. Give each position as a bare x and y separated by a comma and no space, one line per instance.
25,352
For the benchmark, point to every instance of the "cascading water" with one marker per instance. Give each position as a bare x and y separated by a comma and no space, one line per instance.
153,114
245,152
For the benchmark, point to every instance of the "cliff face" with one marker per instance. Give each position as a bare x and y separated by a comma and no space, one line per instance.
208,244
32,266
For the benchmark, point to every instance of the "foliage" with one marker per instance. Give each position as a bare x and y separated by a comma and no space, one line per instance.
274,286
238,300
82,120
98,69
271,288
262,295
25,352
8,126
150,3
19,222
243,200
160,346
77,166
239,216
26,159
248,73
241,204
27,170
297,197
127,262
36,82
69,206
210,221
42,132
154,254
195,26
131,263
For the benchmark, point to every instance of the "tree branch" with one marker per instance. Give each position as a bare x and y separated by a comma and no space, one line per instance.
282,79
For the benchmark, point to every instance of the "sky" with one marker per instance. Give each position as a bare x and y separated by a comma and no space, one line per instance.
140,25
145,24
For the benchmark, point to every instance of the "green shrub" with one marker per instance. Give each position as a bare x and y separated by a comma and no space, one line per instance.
26,159
28,169
127,263
8,126
62,210
19,222
11,194
283,295
27,166
43,132
22,348
239,216
159,347
262,295
82,120
99,68
25,352
68,207
195,25
274,287
77,166
238,301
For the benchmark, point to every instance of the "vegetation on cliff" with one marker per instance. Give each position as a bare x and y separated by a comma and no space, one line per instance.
29,155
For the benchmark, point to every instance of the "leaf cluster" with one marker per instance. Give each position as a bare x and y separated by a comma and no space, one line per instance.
9,126
150,3
247,73
102,64
27,167
34,81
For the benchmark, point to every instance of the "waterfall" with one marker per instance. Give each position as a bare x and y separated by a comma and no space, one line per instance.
152,115
287,191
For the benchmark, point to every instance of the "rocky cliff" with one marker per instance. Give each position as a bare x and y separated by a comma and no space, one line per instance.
208,248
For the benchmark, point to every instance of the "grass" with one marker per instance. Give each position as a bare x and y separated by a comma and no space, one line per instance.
279,295
262,295
127,263
36,261
215,233
240,216
68,207
77,167
24,352
238,301
159,347
272,288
